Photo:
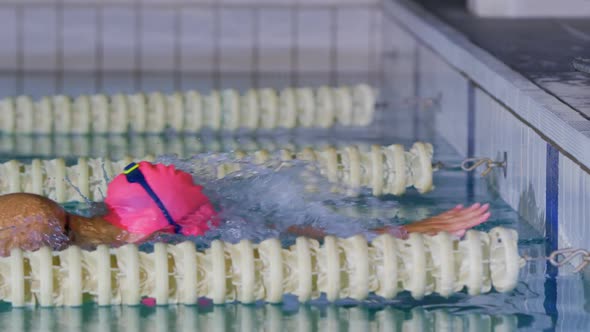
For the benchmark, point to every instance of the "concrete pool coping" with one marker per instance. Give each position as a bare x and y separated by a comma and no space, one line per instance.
484,108
552,119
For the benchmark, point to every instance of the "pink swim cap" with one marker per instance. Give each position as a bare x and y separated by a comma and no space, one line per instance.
132,208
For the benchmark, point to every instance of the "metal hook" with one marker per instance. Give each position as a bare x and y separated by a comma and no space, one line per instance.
569,254
436,166
471,164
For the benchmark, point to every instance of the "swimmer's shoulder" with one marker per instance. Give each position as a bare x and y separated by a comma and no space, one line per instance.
26,197
19,203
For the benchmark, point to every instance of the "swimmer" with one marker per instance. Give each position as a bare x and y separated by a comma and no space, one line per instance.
151,199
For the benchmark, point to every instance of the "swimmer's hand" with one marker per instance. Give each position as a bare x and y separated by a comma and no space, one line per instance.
455,221
306,231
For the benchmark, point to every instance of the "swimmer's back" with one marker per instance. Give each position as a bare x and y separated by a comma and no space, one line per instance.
29,221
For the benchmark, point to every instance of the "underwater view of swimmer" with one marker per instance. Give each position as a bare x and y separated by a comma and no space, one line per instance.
165,198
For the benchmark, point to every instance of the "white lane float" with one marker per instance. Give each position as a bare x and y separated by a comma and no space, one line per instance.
385,169
190,111
247,272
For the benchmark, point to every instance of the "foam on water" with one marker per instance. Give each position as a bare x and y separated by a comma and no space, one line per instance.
262,200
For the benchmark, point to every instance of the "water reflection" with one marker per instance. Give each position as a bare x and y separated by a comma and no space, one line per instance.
207,317
119,146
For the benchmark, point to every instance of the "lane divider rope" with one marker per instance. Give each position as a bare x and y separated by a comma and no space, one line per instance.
190,111
247,272
384,169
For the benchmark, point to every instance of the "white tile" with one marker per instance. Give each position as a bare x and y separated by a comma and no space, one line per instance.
352,78
117,2
579,206
39,39
178,2
581,203
541,164
314,40
158,39
586,207
161,82
376,39
8,38
532,170
480,119
565,204
452,116
508,146
504,139
262,2
202,82
575,208
75,1
528,193
332,2
561,197
239,82
516,145
278,81
312,79
571,191
79,39
38,2
75,84
521,176
573,223
119,37
113,82
38,85
353,39
236,40
197,40
276,37
8,85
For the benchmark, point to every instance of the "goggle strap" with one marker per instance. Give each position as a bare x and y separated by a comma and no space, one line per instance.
134,175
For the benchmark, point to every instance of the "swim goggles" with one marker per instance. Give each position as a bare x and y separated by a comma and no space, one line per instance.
134,175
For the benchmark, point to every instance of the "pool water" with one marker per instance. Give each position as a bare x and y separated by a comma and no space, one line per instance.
538,302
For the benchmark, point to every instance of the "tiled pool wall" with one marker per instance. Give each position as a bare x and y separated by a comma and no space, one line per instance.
484,109
76,47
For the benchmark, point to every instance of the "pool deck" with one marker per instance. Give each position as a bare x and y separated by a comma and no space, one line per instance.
507,86
540,49
525,64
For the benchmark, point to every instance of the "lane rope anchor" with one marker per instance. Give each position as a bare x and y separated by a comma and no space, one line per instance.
470,164
561,257
568,255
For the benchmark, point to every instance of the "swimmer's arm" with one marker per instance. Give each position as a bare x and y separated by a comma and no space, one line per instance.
307,231
455,221
91,232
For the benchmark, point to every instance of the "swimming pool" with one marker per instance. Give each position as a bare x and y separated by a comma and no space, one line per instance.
433,94
525,308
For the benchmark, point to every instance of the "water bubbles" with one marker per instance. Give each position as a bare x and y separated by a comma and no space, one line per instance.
261,200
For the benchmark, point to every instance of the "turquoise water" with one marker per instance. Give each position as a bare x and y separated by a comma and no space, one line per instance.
255,318
523,309
538,303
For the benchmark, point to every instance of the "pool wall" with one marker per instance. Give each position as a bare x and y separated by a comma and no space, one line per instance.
484,108
124,46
